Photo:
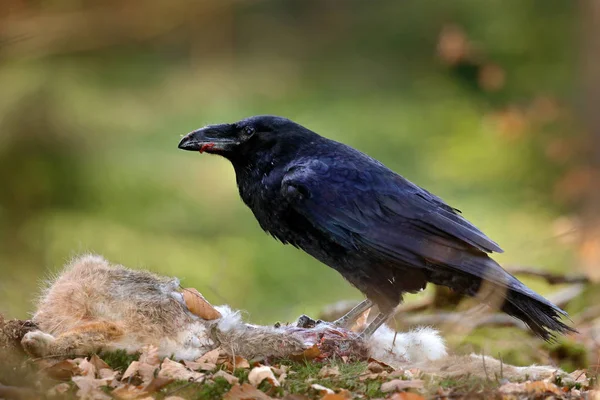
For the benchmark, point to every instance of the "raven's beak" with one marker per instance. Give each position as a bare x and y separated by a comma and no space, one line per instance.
212,138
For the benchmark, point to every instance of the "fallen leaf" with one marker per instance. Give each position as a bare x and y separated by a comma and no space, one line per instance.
89,388
383,365
580,376
145,371
308,354
245,392
156,384
107,373
259,374
540,387
241,362
87,368
405,396
211,357
99,363
199,366
198,305
133,369
321,389
59,389
173,370
343,393
129,392
334,396
537,387
329,371
150,355
174,398
232,380
62,370
399,384
375,367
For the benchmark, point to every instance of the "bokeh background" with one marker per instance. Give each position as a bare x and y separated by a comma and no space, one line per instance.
492,105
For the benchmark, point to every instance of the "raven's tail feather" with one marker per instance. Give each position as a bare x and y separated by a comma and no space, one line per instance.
516,299
542,317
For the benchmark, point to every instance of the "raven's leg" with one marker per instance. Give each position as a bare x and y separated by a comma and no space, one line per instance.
351,316
379,320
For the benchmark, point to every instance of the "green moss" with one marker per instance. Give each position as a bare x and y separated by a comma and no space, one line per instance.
119,360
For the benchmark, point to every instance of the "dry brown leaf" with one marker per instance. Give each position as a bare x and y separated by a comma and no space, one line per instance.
308,354
335,396
383,365
156,384
108,374
198,305
62,370
580,376
58,390
537,387
259,374
329,371
99,363
173,370
145,371
342,394
150,355
405,396
133,369
241,362
174,398
399,384
211,357
232,380
129,392
245,392
87,368
321,389
375,367
90,388
199,366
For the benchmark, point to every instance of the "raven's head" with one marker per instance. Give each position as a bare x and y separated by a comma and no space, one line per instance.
242,139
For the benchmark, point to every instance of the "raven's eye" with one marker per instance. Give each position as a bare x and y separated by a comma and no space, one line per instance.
248,131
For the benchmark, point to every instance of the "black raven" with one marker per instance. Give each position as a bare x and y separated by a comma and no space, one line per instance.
384,234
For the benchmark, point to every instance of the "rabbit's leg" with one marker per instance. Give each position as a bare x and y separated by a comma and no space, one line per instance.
84,339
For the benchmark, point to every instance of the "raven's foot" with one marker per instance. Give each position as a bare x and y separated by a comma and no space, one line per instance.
379,320
351,316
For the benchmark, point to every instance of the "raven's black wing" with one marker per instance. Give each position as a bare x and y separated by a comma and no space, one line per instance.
360,204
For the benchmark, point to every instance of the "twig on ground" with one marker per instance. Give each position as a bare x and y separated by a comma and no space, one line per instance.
551,278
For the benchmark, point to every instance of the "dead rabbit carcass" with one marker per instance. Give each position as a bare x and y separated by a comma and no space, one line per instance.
93,306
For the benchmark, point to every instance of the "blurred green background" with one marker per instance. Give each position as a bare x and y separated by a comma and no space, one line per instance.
474,100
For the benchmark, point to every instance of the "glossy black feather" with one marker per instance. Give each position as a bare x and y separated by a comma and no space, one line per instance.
384,234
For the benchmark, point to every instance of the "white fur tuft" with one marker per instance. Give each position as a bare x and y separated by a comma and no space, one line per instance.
230,320
421,344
